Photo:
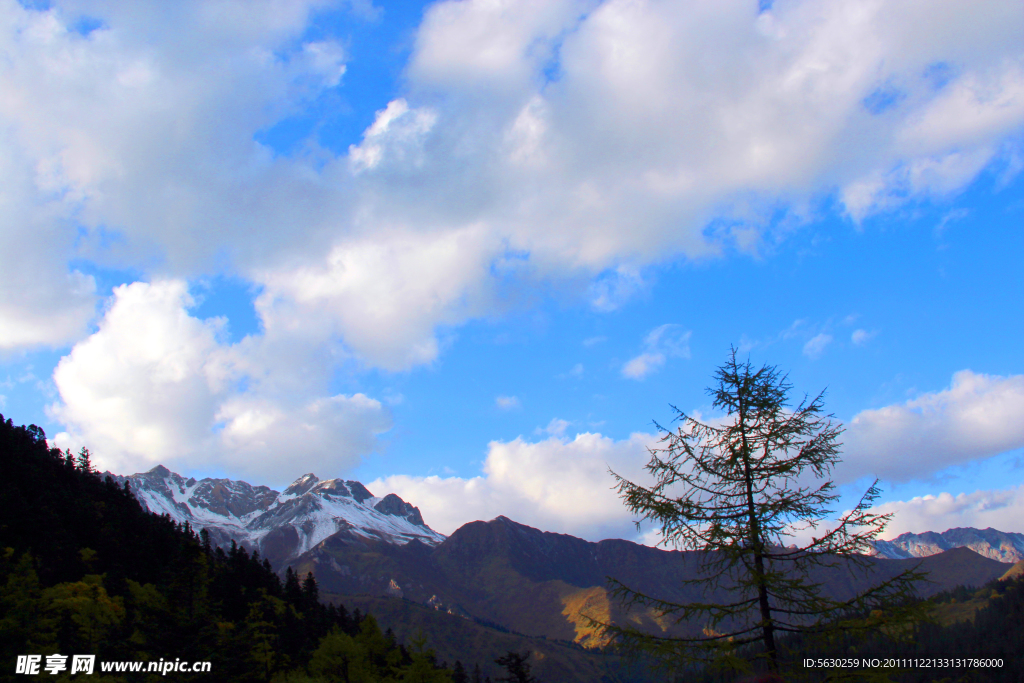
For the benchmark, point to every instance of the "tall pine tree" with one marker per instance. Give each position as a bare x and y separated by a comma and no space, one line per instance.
736,491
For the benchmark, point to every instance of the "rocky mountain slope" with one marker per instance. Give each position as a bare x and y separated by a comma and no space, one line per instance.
996,545
543,584
281,525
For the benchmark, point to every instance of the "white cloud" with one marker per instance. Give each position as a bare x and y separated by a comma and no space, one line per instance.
155,385
643,365
497,47
42,301
1002,510
978,416
147,379
557,484
135,142
330,433
135,146
382,295
816,345
396,136
665,341
556,427
861,337
142,134
612,289
507,402
326,59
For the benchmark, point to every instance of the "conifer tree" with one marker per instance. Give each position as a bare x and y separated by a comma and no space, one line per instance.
85,461
518,667
310,590
292,589
737,491
204,535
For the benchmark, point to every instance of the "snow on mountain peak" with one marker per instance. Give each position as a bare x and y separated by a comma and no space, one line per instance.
280,525
302,484
991,543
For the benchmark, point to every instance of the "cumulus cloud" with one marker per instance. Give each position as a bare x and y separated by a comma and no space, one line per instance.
382,295
558,484
556,141
1003,510
156,385
134,142
544,144
662,342
978,416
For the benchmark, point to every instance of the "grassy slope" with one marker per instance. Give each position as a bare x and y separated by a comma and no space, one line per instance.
456,638
949,610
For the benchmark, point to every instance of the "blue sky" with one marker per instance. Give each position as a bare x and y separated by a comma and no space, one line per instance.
470,251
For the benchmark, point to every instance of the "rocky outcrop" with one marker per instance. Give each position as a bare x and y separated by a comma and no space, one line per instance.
395,506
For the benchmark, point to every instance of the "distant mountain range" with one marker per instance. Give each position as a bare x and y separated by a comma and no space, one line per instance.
543,584
280,525
500,572
996,545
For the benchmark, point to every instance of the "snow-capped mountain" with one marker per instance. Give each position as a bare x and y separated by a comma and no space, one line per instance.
281,525
991,543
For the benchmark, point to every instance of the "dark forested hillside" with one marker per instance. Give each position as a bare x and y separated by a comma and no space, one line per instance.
84,570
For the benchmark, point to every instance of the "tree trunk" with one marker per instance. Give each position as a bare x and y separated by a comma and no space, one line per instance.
767,626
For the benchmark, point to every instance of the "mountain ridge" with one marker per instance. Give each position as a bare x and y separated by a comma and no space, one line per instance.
543,584
992,543
534,582
281,525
